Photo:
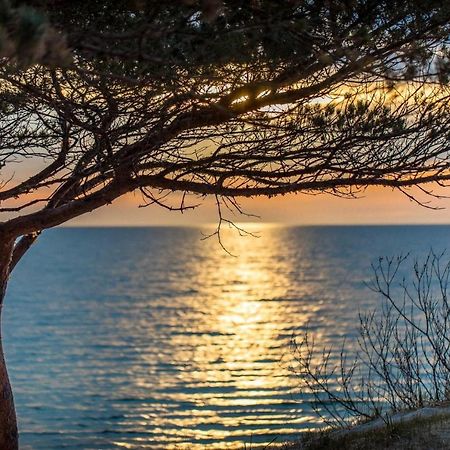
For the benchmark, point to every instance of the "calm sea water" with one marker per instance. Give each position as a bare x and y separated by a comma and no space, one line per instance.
153,338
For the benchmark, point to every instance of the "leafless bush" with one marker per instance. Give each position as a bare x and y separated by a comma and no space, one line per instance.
402,359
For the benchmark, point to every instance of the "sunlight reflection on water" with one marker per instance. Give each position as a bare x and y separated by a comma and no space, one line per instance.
153,338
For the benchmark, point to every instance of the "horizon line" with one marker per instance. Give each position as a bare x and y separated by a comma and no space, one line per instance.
260,224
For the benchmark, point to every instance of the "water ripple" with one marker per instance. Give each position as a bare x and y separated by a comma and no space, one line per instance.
152,338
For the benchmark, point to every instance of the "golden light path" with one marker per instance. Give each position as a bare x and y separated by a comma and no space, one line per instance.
227,368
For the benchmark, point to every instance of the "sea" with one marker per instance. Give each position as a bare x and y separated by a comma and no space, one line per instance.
162,338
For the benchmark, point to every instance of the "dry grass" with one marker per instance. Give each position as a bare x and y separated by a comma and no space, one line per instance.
418,434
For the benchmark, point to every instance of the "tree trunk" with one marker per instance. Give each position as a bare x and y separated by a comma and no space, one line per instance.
8,422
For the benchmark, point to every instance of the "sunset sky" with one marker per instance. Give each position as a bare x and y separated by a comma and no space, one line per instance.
375,206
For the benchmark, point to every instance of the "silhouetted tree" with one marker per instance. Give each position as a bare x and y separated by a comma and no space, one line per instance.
222,98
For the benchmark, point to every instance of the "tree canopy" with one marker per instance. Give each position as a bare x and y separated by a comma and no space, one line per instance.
224,98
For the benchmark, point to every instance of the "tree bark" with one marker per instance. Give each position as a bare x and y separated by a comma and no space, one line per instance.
8,424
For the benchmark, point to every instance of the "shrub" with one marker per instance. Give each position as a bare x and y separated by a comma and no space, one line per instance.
403,354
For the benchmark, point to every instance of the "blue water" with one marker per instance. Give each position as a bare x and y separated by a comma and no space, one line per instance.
154,338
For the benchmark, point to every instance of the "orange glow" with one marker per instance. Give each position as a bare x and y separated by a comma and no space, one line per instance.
375,206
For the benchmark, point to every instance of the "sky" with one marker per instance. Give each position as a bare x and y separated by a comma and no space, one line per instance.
374,206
